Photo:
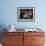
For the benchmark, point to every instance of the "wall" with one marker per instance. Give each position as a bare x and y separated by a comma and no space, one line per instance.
9,13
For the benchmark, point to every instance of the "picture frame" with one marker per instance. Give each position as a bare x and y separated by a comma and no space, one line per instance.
26,14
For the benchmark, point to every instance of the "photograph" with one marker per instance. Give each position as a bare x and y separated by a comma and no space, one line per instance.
25,14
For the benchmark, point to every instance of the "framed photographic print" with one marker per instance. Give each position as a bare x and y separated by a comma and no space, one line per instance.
26,14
